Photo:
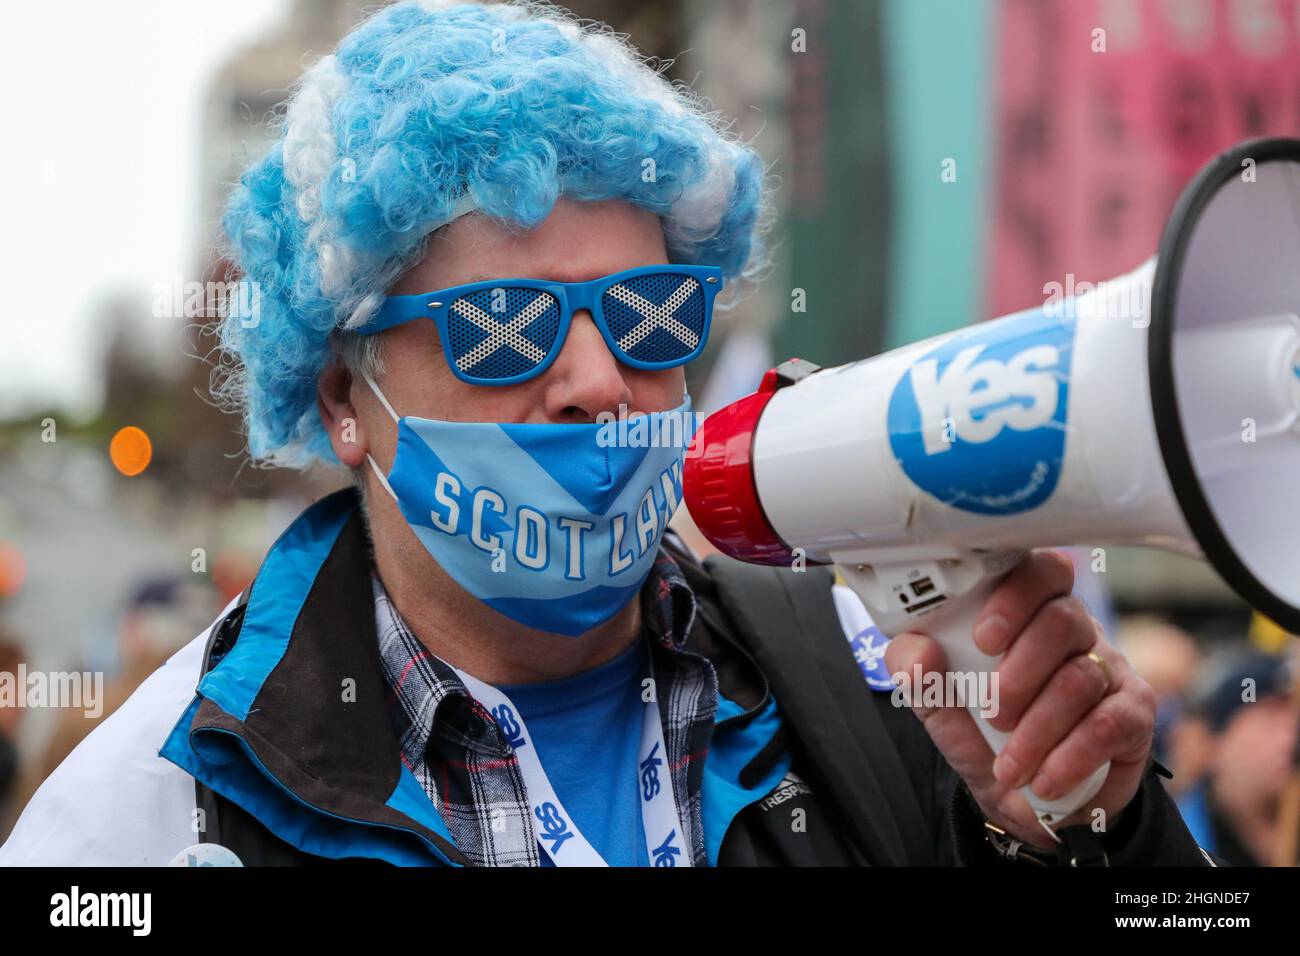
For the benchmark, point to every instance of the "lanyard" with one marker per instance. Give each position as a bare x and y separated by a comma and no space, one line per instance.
558,834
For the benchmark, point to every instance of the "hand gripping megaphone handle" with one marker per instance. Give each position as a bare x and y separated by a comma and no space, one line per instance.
942,599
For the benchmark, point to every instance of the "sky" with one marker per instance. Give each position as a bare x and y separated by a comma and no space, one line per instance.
102,166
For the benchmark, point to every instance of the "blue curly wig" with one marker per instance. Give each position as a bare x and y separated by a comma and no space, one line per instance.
429,110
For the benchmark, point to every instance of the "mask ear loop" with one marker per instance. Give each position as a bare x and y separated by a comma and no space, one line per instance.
382,399
374,465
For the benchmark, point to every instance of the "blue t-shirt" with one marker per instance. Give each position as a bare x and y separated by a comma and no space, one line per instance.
587,731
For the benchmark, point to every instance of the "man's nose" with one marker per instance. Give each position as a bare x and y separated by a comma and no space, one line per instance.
585,379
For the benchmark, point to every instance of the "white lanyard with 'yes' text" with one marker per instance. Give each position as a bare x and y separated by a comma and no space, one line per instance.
557,832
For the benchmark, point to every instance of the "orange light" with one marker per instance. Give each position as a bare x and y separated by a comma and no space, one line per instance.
130,451
12,570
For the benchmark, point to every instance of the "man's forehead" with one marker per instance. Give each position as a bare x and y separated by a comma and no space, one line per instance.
577,242
570,272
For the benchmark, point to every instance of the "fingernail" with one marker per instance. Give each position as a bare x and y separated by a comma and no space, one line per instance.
1044,786
991,631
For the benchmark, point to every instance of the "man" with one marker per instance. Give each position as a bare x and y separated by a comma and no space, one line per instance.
1246,711
482,234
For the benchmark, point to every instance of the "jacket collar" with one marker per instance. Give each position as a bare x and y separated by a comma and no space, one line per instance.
290,722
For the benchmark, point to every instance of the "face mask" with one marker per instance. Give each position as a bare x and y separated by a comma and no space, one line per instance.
554,526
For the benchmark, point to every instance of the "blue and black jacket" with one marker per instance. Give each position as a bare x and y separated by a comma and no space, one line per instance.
817,769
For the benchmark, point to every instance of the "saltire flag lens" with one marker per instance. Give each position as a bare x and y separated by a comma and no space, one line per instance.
505,331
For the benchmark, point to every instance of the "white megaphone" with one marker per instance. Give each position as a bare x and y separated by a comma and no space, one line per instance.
1159,409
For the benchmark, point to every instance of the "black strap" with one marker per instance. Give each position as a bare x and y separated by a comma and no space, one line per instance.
1080,846
789,623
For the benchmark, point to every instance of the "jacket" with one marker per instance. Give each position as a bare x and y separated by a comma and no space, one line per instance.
243,738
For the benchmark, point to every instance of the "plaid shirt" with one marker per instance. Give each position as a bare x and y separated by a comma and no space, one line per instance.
460,756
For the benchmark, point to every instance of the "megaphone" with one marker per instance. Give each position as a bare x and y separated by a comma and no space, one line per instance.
1159,409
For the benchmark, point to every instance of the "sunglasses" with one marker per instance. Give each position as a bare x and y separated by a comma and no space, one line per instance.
504,331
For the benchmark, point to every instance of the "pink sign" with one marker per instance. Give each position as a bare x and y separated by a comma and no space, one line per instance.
1105,110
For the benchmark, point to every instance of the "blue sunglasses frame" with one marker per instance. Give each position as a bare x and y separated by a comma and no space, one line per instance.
571,296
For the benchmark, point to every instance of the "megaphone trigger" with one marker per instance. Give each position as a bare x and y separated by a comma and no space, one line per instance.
942,599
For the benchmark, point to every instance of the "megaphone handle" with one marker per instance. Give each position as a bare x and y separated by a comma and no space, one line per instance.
960,588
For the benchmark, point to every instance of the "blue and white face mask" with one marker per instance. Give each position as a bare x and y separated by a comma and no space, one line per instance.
554,526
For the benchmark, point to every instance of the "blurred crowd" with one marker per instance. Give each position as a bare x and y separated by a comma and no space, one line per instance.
1227,724
160,616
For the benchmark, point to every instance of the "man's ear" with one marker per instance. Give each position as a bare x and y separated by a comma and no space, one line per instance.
339,416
